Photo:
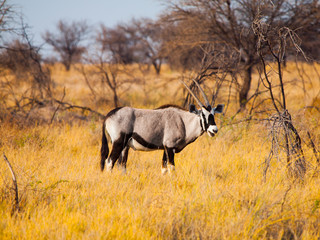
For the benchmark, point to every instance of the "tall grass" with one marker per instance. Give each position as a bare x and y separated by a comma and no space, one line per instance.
218,190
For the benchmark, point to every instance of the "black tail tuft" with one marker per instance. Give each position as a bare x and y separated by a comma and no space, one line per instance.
104,147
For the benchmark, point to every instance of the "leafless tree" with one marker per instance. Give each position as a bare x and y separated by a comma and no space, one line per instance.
26,85
207,70
118,42
180,53
7,16
148,35
305,21
68,41
29,81
107,70
227,25
23,59
139,41
283,132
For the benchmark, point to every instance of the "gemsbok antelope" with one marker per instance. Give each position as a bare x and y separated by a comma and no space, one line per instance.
169,128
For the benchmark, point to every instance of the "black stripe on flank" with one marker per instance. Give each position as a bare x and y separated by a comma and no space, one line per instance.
144,143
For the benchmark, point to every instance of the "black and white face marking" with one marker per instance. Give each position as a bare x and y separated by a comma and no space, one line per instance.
207,117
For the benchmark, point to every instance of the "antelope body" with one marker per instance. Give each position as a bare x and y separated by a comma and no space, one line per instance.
169,128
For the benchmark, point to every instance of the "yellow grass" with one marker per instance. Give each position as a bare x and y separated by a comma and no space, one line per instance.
218,190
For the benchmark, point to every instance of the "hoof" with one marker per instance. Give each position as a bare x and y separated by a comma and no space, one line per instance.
171,168
164,170
109,167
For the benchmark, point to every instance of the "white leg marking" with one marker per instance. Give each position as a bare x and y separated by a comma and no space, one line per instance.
109,166
171,168
123,169
164,170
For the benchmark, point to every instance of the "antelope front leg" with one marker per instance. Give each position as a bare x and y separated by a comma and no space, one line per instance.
122,161
117,148
164,168
168,154
171,166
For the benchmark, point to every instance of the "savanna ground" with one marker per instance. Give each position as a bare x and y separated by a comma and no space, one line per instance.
218,190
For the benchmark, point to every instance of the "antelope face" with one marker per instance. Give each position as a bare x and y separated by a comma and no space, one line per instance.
206,112
207,119
206,115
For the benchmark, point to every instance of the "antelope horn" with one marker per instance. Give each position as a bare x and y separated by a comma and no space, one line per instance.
202,92
193,95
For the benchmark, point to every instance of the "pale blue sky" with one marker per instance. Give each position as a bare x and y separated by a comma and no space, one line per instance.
42,15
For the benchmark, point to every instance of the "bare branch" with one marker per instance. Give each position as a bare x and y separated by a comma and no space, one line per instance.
315,151
70,106
56,110
14,179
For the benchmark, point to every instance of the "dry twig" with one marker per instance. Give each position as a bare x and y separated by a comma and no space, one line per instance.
14,179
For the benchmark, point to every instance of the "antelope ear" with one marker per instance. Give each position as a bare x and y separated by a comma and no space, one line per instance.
193,109
219,108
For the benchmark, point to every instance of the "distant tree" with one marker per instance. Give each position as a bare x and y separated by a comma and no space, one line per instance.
307,25
17,56
118,43
67,41
227,27
139,41
6,16
23,60
109,74
148,41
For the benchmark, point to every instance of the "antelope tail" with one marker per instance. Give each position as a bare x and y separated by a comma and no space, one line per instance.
104,147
